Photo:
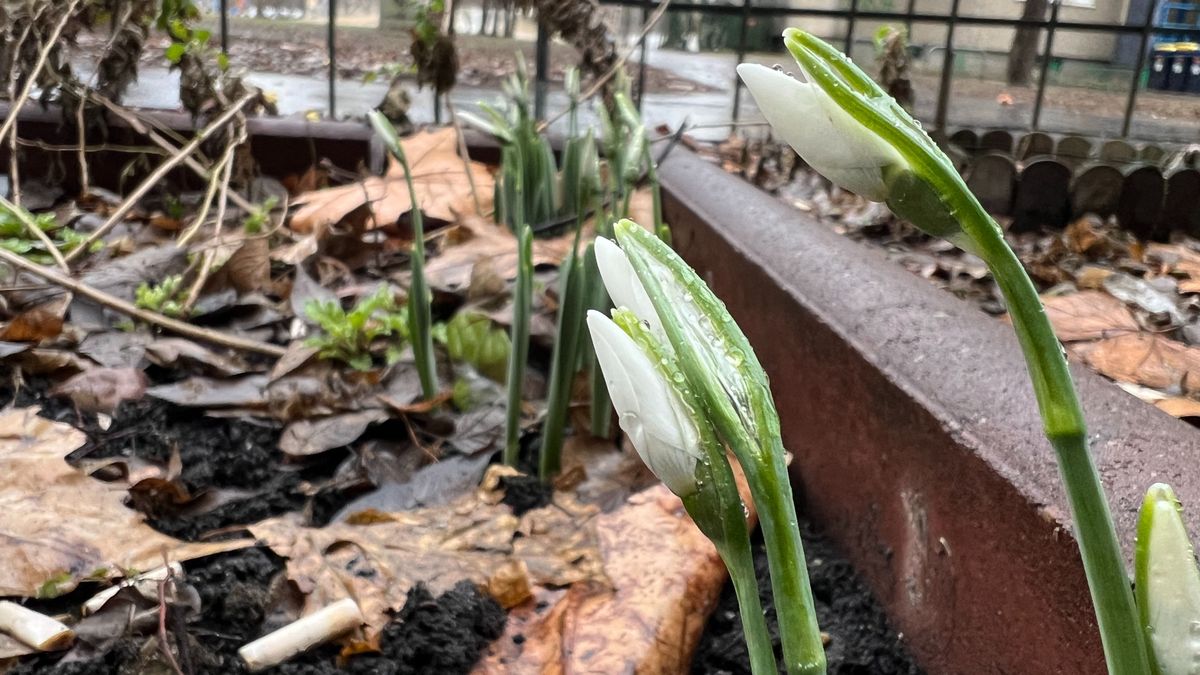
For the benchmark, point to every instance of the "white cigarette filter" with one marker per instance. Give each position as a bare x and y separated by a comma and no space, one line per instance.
301,635
33,628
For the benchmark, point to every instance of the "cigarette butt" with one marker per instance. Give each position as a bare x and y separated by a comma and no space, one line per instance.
33,628
301,635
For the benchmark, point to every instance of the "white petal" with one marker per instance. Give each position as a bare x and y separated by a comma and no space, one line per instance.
650,411
623,285
828,138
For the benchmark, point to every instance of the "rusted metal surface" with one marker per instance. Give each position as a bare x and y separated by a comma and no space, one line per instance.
916,437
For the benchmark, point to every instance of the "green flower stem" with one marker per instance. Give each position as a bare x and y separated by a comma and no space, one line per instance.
740,563
601,406
1103,562
419,297
518,354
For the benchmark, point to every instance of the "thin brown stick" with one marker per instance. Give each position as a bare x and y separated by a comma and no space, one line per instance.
51,42
209,194
128,308
36,231
600,81
82,152
466,157
210,256
159,173
192,163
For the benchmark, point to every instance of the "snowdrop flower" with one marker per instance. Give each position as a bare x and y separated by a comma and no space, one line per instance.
650,410
828,138
1168,583
850,131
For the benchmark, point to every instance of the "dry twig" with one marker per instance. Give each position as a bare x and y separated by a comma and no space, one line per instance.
128,308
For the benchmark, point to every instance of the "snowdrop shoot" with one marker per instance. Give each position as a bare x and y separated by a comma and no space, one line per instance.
1168,584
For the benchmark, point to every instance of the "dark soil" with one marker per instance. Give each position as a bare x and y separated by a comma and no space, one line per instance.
238,458
445,635
861,641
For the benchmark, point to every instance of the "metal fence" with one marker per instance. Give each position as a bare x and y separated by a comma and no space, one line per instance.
747,12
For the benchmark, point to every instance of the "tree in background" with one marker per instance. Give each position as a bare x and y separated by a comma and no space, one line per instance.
1024,47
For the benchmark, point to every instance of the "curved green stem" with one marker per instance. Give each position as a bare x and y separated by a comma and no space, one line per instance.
1120,629
739,560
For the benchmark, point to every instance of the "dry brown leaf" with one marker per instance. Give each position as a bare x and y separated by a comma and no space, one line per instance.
1088,315
316,435
474,241
1147,359
62,526
439,178
33,325
101,390
377,557
1179,406
664,577
249,268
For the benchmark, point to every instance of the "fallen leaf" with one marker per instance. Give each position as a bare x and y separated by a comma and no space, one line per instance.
249,268
101,390
33,325
1142,294
169,352
474,240
440,180
116,349
378,561
60,525
664,578
1147,359
1088,315
431,485
204,392
1179,406
313,436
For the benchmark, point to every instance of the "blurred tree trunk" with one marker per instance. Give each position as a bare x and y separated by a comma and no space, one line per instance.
1025,44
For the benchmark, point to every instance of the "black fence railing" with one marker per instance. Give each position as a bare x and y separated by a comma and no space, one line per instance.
747,12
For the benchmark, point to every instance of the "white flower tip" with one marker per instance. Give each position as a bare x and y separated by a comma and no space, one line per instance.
760,79
621,281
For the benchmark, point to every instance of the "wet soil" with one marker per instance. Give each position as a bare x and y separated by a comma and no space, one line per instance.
861,642
238,459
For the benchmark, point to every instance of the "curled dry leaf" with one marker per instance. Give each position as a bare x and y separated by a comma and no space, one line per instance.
311,436
440,179
376,557
1088,315
664,579
33,325
60,525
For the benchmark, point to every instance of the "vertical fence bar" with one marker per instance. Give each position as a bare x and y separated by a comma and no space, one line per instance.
224,6
943,101
908,20
743,37
641,80
541,68
331,45
1147,32
850,20
1047,57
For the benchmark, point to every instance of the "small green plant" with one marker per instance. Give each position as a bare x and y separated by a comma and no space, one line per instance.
166,297
349,336
472,338
15,234
260,216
